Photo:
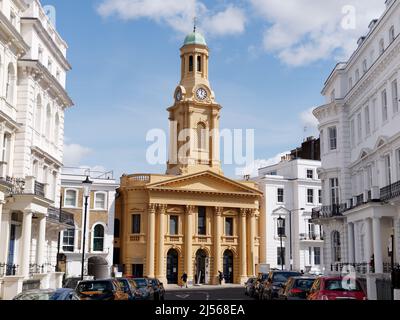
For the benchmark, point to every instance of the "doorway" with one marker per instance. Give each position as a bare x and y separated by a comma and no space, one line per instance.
202,266
172,267
228,266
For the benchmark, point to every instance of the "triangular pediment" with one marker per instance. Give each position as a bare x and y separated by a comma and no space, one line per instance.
204,182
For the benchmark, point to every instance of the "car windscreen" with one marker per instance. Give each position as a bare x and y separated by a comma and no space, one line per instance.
282,277
36,296
100,286
124,284
141,283
303,284
342,285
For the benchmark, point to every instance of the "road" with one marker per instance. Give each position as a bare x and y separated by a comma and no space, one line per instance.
212,293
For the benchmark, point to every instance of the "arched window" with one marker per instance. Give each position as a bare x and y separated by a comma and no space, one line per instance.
71,198
98,238
38,114
201,136
48,122
100,200
392,35
10,86
56,128
336,247
199,63
191,64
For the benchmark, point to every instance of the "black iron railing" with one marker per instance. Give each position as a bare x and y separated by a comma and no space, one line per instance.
35,268
388,268
360,199
55,215
310,236
361,268
39,189
328,211
390,192
8,269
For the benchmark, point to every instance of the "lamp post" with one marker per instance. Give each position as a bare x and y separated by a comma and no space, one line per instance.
281,233
290,235
86,193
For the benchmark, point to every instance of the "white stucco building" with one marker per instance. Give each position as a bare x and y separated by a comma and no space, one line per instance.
33,99
291,190
99,219
360,151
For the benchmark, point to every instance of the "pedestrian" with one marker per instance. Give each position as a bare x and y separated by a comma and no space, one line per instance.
220,277
184,279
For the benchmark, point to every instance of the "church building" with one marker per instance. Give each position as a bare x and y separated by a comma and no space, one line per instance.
192,219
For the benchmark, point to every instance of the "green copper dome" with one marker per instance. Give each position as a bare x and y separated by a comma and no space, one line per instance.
195,38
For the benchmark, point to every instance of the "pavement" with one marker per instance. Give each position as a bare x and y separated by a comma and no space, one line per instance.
206,292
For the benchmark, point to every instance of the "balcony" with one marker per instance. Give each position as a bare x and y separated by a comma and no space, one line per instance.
327,212
310,237
39,189
63,217
390,192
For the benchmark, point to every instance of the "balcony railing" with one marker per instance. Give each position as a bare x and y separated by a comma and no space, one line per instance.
328,211
310,236
8,269
361,268
39,189
390,192
64,217
360,199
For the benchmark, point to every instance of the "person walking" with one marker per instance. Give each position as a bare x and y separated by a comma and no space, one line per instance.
220,277
184,279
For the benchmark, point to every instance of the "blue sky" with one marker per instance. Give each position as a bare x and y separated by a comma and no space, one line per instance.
267,67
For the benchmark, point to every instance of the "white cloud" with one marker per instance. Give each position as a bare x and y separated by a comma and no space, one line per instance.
252,168
74,153
178,14
305,31
308,120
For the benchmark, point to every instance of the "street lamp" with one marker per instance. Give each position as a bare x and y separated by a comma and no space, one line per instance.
281,233
290,235
86,193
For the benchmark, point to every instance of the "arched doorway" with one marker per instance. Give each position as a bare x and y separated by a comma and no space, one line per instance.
228,266
172,266
202,267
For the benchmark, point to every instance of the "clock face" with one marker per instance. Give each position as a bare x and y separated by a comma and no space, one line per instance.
178,95
201,94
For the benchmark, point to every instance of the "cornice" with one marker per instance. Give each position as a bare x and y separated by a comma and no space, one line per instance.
14,36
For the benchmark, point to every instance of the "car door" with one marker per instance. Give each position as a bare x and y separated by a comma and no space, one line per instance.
314,292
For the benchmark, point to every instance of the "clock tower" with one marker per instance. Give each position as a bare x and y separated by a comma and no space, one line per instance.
194,117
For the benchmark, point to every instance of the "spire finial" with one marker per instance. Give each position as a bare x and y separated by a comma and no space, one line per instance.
194,23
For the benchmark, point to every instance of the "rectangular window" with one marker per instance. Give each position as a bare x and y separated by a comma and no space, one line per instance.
311,231
68,240
353,133
332,138
229,227
369,177
333,95
317,256
391,34
395,96
350,83
367,121
319,196
334,186
137,270
365,66
384,106
359,128
100,201
398,164
310,174
282,230
374,115
201,230
281,194
173,225
388,170
136,223
281,256
310,195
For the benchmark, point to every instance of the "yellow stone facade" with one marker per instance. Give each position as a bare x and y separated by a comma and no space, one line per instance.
193,219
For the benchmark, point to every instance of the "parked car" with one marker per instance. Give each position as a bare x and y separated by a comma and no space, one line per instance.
126,287
249,287
275,281
48,294
336,288
101,290
296,288
158,287
146,287
259,285
71,283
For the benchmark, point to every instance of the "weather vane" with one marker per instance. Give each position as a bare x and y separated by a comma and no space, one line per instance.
195,24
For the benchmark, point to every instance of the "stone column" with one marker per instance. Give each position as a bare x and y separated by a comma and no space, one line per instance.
350,235
368,242
378,257
161,237
253,215
243,246
41,242
189,243
217,243
151,233
26,244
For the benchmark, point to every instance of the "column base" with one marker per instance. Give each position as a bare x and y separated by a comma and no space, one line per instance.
44,280
12,286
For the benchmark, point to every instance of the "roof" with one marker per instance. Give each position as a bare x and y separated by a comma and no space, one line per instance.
195,38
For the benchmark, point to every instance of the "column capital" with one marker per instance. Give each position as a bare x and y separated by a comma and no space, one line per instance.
162,208
254,213
152,207
189,209
243,212
219,210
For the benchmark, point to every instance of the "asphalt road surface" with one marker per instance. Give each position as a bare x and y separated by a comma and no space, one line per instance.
207,293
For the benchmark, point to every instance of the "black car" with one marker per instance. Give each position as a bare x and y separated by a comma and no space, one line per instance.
275,281
145,287
249,287
71,283
158,287
259,285
296,288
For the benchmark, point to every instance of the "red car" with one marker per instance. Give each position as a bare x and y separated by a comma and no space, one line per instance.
336,288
